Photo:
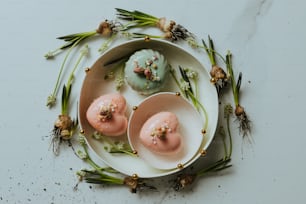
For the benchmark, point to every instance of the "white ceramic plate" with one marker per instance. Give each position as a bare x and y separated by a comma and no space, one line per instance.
190,128
95,85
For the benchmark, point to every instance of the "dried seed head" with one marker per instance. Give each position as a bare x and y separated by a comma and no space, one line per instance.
51,101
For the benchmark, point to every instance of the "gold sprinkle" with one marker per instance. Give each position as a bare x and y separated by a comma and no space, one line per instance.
135,152
178,93
147,39
203,131
203,152
180,166
82,131
87,69
135,176
135,108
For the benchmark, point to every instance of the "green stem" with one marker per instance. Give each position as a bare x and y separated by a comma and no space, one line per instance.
91,162
118,150
112,180
201,107
105,45
67,91
122,70
229,135
230,138
94,165
75,67
70,41
232,77
196,88
194,99
55,90
135,15
209,53
101,178
222,132
216,166
176,80
143,35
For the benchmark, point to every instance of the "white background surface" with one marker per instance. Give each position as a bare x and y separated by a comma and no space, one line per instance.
268,41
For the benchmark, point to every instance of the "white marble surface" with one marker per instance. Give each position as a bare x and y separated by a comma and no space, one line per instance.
268,41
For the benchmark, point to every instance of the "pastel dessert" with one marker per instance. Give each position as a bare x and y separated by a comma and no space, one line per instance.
146,71
106,114
160,134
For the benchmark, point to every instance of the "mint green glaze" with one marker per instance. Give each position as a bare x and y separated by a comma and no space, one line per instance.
159,68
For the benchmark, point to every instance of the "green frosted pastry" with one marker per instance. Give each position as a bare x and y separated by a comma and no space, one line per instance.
146,71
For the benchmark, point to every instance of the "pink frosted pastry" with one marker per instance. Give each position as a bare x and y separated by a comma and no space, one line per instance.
159,134
107,114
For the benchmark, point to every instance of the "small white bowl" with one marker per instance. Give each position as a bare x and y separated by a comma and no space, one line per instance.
190,128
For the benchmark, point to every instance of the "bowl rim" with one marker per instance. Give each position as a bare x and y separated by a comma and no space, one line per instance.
164,95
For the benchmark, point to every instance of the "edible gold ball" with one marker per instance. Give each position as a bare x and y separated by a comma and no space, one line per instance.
180,166
203,152
87,70
135,176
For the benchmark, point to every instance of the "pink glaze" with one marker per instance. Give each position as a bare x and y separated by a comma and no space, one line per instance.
159,134
114,123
